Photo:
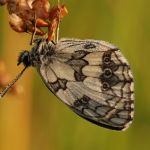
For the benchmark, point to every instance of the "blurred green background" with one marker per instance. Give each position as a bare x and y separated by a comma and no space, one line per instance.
37,120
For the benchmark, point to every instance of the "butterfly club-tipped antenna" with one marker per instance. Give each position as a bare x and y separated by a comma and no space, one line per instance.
24,58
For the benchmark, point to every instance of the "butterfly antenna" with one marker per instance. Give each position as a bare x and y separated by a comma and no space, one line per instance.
57,30
33,34
5,90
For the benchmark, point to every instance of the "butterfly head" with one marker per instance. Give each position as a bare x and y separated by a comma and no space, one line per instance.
24,58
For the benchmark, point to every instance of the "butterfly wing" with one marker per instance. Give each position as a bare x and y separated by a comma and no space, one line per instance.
94,79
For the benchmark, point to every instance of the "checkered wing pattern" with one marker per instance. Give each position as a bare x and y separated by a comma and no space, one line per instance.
93,78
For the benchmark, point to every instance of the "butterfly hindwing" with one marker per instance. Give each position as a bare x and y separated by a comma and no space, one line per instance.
93,78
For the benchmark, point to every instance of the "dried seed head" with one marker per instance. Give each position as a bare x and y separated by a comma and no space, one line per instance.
3,2
41,8
17,23
31,15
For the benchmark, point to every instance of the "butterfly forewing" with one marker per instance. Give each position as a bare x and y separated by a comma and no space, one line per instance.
92,77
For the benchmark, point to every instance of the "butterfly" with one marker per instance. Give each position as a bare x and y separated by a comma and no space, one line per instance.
91,77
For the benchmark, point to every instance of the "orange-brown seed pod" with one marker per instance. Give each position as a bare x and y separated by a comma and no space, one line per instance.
3,2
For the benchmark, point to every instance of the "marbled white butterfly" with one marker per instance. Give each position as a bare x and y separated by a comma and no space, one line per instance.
91,77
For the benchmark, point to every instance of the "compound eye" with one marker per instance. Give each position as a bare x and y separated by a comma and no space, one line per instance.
24,58
107,73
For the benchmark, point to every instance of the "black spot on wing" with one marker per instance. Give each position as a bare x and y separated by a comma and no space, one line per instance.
59,84
89,46
79,54
55,86
79,76
112,81
84,104
77,65
108,62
